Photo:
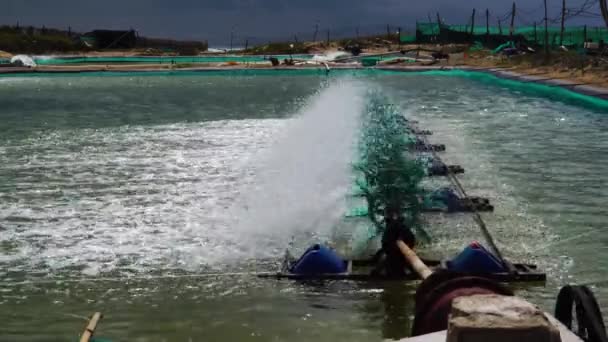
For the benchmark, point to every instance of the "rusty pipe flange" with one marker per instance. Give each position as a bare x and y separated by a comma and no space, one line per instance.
432,309
438,277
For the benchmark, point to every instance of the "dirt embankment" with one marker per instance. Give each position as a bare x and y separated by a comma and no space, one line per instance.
592,70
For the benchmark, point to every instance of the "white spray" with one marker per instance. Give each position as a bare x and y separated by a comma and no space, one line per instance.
299,189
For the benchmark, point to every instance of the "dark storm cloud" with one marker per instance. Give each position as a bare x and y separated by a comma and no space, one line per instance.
262,19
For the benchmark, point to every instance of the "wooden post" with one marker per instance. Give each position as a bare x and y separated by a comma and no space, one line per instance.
472,23
90,329
417,265
604,10
388,32
535,34
561,34
499,27
328,37
512,27
231,39
487,25
546,32
585,33
438,28
399,36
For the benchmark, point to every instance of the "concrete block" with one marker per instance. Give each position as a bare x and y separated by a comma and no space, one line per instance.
494,318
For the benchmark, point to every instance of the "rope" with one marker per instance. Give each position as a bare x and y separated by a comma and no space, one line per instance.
477,217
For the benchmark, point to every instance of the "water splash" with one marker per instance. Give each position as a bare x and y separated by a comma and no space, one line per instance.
301,183
330,56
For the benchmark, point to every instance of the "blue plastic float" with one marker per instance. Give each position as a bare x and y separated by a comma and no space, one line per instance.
319,260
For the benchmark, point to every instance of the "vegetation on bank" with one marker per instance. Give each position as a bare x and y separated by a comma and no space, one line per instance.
32,40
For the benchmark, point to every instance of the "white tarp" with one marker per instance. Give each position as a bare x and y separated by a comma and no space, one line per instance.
23,60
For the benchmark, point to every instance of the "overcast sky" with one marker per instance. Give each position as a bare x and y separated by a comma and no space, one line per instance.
263,20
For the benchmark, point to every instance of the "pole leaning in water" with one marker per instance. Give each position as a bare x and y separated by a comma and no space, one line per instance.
414,261
90,329
476,216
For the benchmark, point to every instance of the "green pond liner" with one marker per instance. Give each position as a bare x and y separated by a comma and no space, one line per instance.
369,61
551,92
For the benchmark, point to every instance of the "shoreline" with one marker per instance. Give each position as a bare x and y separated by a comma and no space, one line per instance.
584,88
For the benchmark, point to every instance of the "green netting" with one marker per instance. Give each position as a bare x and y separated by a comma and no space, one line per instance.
574,36
407,39
389,176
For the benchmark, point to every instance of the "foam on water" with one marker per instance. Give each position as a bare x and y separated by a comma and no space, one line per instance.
183,196
136,199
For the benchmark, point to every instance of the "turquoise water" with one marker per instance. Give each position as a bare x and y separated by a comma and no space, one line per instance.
156,199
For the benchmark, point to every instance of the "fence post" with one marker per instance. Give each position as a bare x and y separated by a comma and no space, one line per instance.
487,25
439,28
546,33
512,27
399,37
585,34
499,26
472,24
561,34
